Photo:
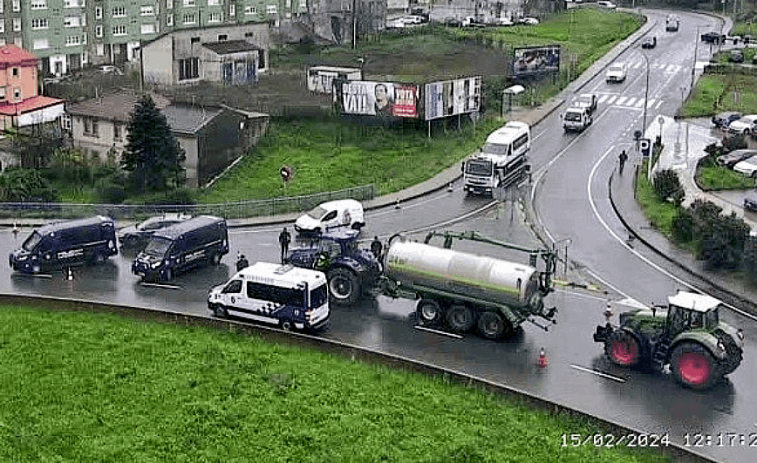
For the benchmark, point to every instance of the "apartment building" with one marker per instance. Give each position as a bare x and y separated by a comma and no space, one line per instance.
69,34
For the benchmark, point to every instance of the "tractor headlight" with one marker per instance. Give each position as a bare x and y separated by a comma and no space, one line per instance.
721,346
740,334
155,265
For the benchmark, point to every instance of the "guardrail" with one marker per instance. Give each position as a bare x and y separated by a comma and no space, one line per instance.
230,210
675,451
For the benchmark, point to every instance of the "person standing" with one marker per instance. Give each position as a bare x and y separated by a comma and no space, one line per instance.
284,239
376,247
622,159
242,261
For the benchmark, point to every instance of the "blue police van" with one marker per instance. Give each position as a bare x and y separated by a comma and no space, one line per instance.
65,244
196,242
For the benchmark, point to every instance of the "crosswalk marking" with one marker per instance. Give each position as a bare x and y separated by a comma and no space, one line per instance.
621,100
641,102
602,99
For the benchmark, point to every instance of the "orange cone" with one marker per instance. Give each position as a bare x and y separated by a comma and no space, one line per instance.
542,361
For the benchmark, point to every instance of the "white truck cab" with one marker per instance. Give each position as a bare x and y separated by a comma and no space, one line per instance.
332,214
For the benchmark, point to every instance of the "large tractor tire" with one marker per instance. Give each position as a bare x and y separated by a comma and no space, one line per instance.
623,349
693,366
460,318
344,286
429,312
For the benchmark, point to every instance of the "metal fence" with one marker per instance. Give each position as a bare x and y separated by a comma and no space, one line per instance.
231,210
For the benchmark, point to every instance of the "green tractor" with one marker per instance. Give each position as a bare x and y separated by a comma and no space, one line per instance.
687,335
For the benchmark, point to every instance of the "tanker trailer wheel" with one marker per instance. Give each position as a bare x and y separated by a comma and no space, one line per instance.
623,349
460,318
693,366
343,286
429,312
491,325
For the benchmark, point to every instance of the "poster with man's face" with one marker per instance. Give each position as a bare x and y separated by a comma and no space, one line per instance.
379,99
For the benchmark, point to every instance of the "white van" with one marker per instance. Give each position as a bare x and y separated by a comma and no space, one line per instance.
332,214
282,295
513,139
501,161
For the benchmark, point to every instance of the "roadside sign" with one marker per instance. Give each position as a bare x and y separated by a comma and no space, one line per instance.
286,173
644,146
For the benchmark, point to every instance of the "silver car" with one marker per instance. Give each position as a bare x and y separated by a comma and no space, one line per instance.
137,236
747,167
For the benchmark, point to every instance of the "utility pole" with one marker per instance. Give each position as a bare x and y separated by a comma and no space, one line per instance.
354,24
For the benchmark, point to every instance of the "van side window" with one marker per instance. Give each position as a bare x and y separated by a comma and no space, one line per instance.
234,287
330,216
275,294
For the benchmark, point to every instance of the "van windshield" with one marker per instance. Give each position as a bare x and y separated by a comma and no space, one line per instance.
318,296
572,116
317,213
32,242
496,148
157,246
479,167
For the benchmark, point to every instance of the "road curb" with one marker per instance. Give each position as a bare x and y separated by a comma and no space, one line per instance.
352,352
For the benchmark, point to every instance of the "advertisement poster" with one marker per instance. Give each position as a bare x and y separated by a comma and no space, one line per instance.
536,60
452,97
379,99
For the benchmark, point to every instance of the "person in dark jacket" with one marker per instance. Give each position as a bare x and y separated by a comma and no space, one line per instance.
242,262
284,239
622,159
376,247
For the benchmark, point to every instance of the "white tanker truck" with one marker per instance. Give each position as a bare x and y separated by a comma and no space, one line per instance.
465,290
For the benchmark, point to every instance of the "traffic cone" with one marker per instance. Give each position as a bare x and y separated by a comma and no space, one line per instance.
397,204
69,274
449,188
542,361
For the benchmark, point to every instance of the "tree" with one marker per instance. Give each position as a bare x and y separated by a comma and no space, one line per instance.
667,186
152,156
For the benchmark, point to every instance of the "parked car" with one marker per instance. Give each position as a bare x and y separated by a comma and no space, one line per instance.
713,37
747,125
608,5
616,73
138,235
649,42
110,69
452,22
734,157
722,120
736,56
529,21
747,167
332,214
750,201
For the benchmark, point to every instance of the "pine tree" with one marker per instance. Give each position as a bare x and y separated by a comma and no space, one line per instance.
152,156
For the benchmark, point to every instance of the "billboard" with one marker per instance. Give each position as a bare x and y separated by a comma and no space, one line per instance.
536,60
452,97
379,99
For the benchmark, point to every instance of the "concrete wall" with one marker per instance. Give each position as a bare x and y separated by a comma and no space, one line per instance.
158,62
191,150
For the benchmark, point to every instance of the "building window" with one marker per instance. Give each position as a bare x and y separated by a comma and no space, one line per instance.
100,49
118,12
73,3
16,5
250,10
189,68
72,40
213,2
85,55
117,132
2,27
261,59
194,40
17,93
18,41
223,38
169,4
169,20
303,4
41,44
39,23
147,11
39,4
148,29
1,7
65,122
90,126
119,30
232,10
2,94
98,12
16,24
189,2
98,31
72,21
214,17
189,18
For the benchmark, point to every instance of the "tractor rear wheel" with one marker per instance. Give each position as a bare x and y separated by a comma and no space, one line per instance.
344,286
623,349
460,318
428,311
693,366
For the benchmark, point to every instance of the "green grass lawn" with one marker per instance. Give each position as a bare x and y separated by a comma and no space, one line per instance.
722,178
81,387
716,93
659,213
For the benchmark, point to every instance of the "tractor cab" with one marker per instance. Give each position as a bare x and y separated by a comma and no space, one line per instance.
690,311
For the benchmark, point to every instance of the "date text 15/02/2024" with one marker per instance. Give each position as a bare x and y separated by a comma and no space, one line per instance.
721,439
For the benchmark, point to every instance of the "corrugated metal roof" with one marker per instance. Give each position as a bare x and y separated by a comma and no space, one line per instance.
230,46
189,119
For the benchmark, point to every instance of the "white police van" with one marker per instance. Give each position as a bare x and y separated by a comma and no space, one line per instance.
282,295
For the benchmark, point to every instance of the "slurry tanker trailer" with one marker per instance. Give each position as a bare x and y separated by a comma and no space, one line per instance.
465,290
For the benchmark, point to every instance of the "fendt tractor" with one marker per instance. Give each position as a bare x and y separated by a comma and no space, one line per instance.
466,290
687,335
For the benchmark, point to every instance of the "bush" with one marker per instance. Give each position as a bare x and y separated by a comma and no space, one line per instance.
683,226
182,196
25,185
112,188
667,186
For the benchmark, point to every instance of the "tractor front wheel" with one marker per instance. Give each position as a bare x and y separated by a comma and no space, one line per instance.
623,349
344,286
693,366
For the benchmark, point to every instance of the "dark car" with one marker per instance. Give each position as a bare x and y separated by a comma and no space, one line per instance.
736,56
723,119
650,42
735,156
713,37
137,236
750,201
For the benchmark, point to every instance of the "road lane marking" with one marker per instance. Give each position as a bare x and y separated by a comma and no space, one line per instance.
160,285
621,100
444,333
33,275
598,373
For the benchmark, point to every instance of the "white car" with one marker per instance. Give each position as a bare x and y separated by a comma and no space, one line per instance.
747,166
616,73
608,5
332,214
398,23
747,125
529,21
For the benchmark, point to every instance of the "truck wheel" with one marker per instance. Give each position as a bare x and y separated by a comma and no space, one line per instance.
215,259
286,325
623,349
220,311
693,366
343,286
357,226
460,318
429,312
491,325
